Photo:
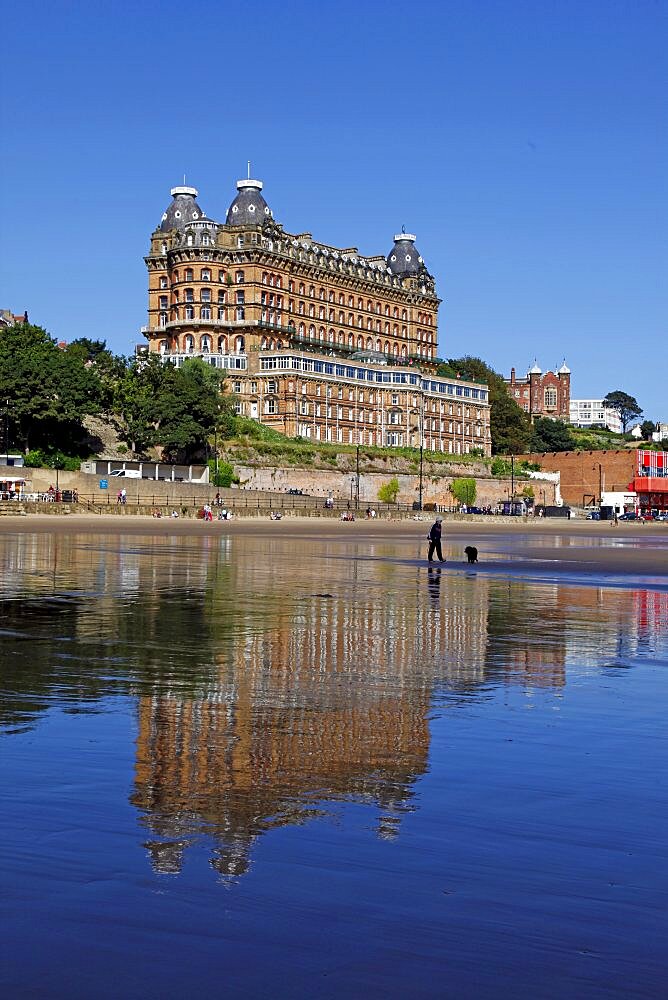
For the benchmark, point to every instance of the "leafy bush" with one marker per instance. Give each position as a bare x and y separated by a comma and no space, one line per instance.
38,458
500,467
389,491
464,490
225,475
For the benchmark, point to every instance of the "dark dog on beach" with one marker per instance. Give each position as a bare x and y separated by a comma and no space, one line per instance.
471,553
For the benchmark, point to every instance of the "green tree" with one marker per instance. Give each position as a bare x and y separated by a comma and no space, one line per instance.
178,409
49,390
626,406
509,425
135,399
464,490
551,435
647,428
389,491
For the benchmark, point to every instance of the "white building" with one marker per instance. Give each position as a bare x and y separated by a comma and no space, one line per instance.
592,413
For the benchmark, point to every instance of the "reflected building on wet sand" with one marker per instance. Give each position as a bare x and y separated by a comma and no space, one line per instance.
334,705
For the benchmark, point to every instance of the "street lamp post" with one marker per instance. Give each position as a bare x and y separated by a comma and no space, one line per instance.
6,430
357,501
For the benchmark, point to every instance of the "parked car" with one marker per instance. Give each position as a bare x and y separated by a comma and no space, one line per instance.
646,517
296,493
662,517
125,474
594,515
629,516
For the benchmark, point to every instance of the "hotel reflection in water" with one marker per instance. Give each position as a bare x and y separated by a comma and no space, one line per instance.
265,718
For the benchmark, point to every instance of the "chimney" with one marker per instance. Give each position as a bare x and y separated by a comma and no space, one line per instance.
512,375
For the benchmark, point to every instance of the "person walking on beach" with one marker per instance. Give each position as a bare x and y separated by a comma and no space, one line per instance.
434,537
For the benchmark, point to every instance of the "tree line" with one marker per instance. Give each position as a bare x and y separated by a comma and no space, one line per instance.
47,391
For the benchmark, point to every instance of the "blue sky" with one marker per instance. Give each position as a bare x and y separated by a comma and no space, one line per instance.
523,142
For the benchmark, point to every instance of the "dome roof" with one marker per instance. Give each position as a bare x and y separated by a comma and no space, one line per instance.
183,209
404,258
536,369
249,207
564,370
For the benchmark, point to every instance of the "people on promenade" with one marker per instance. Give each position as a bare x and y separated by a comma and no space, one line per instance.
434,537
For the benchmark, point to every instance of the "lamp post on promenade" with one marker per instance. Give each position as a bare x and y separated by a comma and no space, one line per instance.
600,482
357,500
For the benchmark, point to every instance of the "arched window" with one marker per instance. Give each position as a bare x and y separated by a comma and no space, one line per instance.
351,302
175,276
379,345
387,347
330,316
369,344
301,329
404,314
330,336
341,338
163,346
342,299
311,332
360,343
205,344
222,345
239,345
205,312
189,343
190,312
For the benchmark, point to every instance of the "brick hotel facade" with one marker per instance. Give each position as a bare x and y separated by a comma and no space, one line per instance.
321,342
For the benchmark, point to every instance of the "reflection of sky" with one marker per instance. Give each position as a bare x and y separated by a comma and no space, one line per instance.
228,763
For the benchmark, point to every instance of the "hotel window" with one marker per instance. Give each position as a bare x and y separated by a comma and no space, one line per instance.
188,276
163,301
239,277
163,319
190,312
550,397
241,298
270,406
241,314
221,276
163,282
206,294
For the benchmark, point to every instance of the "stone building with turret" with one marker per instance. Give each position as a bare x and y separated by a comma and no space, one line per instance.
317,341
542,394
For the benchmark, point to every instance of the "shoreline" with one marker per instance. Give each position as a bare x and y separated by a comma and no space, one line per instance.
582,547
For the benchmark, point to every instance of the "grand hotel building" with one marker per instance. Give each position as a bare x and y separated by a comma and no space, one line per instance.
321,342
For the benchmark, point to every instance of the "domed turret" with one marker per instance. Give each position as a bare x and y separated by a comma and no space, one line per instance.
564,370
536,369
182,210
404,258
249,207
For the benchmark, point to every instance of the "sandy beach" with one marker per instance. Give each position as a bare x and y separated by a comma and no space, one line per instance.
586,547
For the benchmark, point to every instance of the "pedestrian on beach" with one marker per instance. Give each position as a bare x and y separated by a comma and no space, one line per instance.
434,537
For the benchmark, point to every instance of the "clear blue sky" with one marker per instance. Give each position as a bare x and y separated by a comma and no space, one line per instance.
523,142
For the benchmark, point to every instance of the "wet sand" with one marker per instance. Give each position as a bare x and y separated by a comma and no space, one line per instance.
586,547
